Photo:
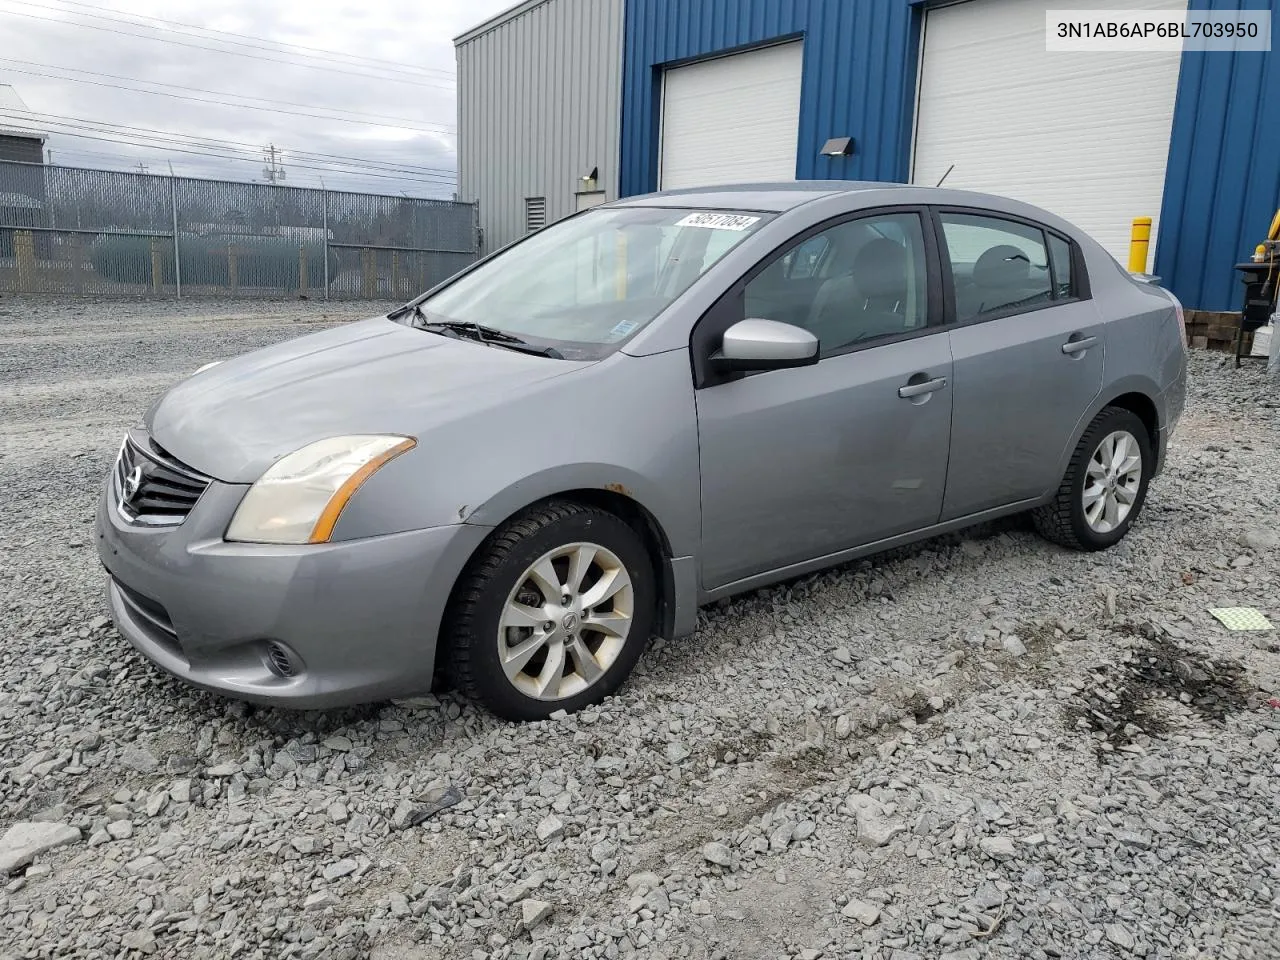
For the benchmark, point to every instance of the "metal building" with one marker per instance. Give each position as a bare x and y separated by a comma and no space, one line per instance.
715,91
538,98
19,138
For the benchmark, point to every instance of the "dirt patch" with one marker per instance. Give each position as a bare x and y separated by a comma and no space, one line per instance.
1133,697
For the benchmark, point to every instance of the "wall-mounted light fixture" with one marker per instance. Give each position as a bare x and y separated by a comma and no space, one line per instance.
837,147
588,179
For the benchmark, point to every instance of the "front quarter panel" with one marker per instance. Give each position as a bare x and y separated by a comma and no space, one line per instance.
626,425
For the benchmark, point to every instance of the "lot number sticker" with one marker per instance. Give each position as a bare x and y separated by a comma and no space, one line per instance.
717,221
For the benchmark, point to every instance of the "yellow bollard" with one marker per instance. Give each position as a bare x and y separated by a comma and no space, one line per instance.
1139,241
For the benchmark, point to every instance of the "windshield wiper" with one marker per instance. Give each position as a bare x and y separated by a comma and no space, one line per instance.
471,330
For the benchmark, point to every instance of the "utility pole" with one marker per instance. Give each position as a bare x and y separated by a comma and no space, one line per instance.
273,171
142,167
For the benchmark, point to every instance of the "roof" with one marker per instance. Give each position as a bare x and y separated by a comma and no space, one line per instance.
773,197
497,20
15,116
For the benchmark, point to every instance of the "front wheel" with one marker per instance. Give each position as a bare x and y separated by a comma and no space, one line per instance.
552,614
1104,487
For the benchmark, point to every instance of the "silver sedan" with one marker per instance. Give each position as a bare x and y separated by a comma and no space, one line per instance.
519,478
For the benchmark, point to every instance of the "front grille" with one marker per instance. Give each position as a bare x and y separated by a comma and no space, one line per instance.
153,488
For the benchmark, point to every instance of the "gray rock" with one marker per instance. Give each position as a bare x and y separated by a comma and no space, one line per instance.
1260,539
1119,934
342,868
24,841
139,759
865,913
717,853
549,828
643,880
533,913
998,848
319,901
120,829
1013,645
144,941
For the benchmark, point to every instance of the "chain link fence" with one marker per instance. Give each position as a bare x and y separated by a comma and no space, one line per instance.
107,233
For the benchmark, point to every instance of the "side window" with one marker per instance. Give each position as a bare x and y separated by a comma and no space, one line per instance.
997,265
806,259
856,281
1060,253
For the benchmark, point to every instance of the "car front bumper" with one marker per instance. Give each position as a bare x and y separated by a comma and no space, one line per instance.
350,622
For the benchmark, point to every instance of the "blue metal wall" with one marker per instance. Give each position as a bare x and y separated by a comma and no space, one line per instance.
1222,186
859,76
1223,181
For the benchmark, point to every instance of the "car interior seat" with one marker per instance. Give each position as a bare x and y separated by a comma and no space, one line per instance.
870,300
1002,276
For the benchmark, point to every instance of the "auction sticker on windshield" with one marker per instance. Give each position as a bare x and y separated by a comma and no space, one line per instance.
718,221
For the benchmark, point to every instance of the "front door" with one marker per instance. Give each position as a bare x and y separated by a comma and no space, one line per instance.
1028,345
800,463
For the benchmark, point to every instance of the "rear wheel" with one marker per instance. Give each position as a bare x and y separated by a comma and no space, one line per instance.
552,614
1104,487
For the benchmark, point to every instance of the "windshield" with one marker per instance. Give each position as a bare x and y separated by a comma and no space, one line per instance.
589,282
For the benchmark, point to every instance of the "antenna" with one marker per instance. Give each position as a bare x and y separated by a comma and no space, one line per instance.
944,176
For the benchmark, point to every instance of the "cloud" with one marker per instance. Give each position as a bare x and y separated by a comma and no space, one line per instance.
410,147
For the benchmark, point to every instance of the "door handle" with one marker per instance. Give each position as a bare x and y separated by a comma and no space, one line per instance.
1078,346
909,390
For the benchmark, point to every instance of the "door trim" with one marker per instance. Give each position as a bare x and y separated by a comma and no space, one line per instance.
853,553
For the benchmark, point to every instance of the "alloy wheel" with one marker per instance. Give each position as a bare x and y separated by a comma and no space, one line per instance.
566,621
1112,480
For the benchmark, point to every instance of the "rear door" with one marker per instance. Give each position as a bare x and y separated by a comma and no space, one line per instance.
1027,344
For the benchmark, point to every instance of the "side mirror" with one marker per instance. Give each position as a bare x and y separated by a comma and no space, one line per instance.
756,344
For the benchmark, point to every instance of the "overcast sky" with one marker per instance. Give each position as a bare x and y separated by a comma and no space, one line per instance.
410,88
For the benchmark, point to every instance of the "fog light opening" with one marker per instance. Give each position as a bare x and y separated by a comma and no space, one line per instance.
280,660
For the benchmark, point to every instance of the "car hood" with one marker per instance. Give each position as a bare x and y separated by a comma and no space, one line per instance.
374,376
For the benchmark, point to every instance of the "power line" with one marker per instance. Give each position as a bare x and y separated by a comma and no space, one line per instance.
233,53
269,45
106,126
162,140
431,128
307,179
239,106
218,156
227,153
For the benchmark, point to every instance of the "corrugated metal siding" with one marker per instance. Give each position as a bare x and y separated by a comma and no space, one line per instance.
859,76
1222,186
537,109
21,149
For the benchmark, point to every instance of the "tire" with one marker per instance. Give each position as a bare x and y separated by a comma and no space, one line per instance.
1065,520
499,611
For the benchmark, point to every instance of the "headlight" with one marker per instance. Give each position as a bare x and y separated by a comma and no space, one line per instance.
206,367
301,496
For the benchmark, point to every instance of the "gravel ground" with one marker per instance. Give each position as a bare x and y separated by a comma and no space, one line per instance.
980,747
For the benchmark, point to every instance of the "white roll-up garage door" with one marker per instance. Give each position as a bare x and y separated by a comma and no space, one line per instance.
733,119
1084,135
